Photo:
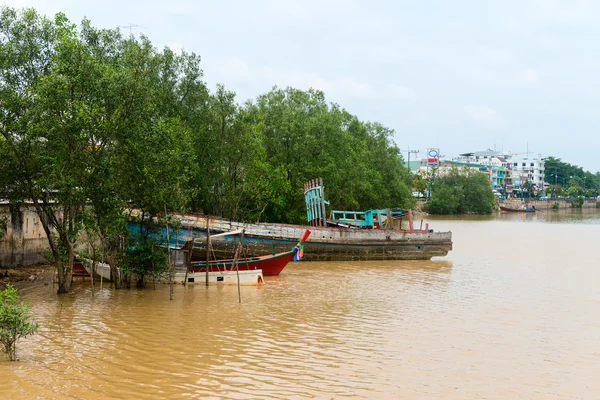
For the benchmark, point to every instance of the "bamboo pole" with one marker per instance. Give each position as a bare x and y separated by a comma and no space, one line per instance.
237,268
92,274
169,257
101,276
323,210
187,260
207,248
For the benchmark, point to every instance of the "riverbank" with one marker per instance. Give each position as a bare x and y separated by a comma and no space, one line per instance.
29,273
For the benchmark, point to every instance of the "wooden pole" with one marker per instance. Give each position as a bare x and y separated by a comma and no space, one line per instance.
101,277
207,248
169,257
323,210
235,262
187,260
410,220
92,274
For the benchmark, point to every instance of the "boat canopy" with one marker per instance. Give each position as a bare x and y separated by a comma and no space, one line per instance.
366,219
315,211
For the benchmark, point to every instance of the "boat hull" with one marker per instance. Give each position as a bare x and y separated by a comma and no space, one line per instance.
324,243
518,210
271,265
197,274
247,277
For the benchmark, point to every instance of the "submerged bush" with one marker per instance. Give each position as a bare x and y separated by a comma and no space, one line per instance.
14,321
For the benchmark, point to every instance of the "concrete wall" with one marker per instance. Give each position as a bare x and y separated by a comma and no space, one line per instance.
24,238
547,204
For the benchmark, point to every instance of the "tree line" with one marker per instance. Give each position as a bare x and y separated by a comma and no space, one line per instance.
568,179
94,123
459,191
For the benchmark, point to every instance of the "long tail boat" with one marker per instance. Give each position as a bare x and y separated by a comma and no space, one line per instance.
220,270
223,276
518,210
270,264
347,235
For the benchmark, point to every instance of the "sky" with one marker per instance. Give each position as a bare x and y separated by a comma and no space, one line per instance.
461,76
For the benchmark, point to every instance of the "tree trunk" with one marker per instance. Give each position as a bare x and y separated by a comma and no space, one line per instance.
140,281
65,272
114,271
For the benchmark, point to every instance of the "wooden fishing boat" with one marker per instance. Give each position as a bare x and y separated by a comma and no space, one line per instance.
251,269
369,235
196,276
226,277
271,264
518,210
79,269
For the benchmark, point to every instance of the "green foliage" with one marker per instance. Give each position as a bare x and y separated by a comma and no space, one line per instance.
566,175
94,123
461,191
555,206
420,184
15,321
308,138
577,202
144,256
573,191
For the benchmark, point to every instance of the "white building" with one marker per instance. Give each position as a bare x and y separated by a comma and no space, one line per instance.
524,168
518,168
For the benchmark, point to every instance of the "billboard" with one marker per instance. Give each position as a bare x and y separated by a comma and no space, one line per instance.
433,159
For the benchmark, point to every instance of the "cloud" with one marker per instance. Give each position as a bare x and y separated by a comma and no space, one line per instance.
235,68
400,92
573,13
352,89
482,74
341,88
485,116
528,76
496,56
386,54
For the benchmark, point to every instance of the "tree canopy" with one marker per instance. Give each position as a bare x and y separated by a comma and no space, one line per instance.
94,123
567,175
461,190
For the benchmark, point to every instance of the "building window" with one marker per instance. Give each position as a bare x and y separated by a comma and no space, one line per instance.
524,164
516,164
532,164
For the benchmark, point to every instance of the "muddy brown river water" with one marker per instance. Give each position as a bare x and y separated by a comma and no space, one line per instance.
513,312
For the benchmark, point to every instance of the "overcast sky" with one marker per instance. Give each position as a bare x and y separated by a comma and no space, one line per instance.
464,76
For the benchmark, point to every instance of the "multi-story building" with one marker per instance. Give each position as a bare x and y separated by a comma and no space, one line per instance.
508,172
527,168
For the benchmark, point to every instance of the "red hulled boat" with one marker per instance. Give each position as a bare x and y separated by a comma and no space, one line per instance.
271,264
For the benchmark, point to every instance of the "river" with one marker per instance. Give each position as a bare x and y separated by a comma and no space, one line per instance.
513,312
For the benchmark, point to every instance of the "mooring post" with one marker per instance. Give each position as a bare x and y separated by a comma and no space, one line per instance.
207,248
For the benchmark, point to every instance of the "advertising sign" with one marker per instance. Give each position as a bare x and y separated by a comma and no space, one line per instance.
433,157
